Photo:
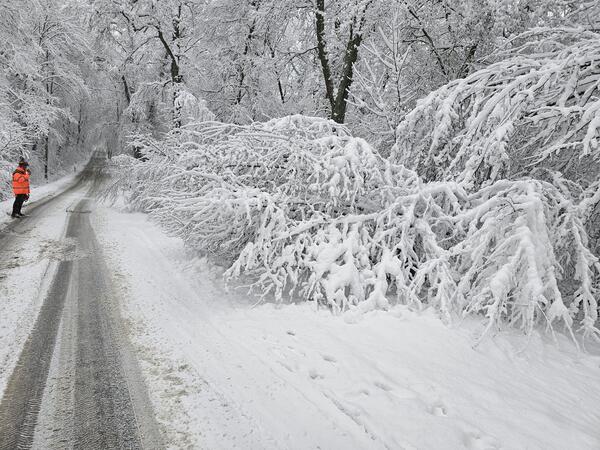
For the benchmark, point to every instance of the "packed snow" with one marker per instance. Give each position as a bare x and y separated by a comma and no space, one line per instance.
27,266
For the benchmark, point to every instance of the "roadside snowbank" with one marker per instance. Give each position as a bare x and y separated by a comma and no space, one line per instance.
225,375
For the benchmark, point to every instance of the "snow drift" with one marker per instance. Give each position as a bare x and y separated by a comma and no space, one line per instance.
306,211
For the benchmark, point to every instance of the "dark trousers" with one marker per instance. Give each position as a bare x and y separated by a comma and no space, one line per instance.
19,200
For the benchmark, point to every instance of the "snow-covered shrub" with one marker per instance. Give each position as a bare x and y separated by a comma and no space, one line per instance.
538,106
307,211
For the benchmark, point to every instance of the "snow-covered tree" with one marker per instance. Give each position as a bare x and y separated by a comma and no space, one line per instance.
537,107
308,211
419,46
42,92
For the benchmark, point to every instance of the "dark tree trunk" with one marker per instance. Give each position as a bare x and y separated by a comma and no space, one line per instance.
126,90
322,52
46,157
176,77
249,37
80,125
338,101
240,94
49,91
341,101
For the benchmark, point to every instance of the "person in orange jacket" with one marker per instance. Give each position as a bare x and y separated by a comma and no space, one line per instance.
20,185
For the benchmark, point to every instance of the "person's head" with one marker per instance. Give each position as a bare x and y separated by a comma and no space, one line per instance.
23,163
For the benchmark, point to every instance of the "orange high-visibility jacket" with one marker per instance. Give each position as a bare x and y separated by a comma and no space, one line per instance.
20,181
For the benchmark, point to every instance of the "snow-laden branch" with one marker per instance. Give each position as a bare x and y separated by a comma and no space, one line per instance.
539,106
308,211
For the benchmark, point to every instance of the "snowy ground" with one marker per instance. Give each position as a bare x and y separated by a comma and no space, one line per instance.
223,374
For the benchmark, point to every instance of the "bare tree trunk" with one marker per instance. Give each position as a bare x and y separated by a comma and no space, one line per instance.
49,91
338,100
249,37
240,94
341,101
46,157
126,89
176,77
280,87
79,125
322,52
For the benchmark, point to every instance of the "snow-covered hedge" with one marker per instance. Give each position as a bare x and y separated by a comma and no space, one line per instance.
307,211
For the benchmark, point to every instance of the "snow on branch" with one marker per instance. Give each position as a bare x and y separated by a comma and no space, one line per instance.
540,105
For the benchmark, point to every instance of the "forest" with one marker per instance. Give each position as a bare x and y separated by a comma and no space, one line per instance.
353,153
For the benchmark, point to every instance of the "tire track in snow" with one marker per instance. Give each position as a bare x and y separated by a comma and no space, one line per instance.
23,395
20,405
106,404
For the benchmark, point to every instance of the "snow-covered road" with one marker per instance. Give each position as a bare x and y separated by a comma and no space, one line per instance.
223,373
75,384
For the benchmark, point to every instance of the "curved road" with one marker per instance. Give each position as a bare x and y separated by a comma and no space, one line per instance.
76,383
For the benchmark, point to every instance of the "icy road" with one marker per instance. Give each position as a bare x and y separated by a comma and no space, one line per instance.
113,335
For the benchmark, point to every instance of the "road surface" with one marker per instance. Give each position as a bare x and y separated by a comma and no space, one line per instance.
76,383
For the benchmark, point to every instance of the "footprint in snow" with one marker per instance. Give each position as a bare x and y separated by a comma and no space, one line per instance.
313,374
287,366
383,386
438,409
477,441
329,358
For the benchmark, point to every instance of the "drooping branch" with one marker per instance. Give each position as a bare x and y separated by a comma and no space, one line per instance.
308,211
537,106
